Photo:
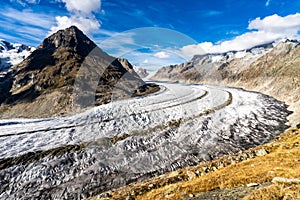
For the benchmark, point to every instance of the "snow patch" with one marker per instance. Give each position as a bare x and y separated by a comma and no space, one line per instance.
12,54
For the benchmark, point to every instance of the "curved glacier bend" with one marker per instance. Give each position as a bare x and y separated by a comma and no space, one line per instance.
115,144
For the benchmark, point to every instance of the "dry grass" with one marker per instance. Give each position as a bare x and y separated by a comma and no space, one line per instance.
276,191
282,160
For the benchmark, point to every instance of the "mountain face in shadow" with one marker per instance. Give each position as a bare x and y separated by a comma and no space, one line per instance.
65,74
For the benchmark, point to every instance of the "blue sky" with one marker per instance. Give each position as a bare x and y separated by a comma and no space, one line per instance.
152,33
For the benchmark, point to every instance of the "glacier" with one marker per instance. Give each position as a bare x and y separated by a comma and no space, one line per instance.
117,143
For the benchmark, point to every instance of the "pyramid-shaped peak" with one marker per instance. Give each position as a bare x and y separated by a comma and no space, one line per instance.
70,37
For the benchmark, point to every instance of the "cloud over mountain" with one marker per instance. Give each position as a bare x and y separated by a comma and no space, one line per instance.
81,15
261,31
162,54
286,26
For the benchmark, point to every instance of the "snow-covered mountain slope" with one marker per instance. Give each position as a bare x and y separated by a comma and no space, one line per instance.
12,54
114,144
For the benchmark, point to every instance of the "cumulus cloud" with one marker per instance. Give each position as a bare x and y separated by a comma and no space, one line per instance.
81,15
86,7
86,24
162,55
262,31
287,26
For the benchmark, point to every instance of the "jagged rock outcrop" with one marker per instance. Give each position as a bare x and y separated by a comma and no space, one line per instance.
65,74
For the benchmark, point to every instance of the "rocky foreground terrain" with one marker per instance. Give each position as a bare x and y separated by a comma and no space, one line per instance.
66,74
272,69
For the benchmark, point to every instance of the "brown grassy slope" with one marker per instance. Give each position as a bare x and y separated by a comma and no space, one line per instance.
282,161
278,158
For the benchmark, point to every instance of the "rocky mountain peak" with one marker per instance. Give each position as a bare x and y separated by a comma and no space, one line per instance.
72,38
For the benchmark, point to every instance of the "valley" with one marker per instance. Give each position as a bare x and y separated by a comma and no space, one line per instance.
124,141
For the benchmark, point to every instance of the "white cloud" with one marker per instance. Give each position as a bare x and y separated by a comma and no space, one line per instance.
27,17
27,27
150,62
194,49
86,24
25,2
268,3
162,55
33,1
86,7
264,30
241,42
81,15
287,26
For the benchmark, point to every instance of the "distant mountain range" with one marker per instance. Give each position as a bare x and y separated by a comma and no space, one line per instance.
142,72
273,69
208,67
65,74
11,54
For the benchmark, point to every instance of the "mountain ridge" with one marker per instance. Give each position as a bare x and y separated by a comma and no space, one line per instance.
274,71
